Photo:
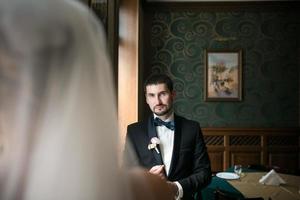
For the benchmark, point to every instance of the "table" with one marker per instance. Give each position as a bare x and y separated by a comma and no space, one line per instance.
249,186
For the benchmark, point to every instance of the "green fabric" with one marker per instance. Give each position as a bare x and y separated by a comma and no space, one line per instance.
208,192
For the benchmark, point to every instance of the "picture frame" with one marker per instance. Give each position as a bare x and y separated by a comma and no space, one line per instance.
223,75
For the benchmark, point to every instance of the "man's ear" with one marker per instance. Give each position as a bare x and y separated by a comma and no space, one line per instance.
146,99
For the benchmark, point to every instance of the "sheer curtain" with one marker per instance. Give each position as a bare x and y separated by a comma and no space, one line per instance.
58,120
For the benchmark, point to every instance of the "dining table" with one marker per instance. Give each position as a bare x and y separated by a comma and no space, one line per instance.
248,186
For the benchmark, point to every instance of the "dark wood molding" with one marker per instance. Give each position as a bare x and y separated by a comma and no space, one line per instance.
113,37
128,61
223,6
248,146
252,131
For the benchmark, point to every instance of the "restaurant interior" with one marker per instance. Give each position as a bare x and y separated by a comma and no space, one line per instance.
258,129
255,123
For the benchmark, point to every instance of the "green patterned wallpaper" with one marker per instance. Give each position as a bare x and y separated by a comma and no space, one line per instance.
174,43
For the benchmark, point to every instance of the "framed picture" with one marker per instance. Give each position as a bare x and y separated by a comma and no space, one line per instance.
223,75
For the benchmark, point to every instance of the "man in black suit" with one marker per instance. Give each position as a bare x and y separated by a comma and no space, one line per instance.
169,145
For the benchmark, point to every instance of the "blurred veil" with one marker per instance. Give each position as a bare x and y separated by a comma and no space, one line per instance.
58,118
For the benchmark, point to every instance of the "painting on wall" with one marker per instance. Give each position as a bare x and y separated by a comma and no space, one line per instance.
223,75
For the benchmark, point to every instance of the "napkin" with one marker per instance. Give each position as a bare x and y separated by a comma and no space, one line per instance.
271,178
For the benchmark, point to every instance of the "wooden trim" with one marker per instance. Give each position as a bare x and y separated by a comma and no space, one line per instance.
226,152
242,153
112,37
223,6
264,150
252,131
128,65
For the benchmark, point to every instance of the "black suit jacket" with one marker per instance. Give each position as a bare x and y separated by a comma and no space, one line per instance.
190,165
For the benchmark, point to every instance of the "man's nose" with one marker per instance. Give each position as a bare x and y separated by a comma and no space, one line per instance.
157,100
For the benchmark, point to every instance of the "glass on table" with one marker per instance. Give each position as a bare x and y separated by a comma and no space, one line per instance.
238,169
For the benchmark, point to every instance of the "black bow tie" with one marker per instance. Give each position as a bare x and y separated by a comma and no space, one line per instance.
170,125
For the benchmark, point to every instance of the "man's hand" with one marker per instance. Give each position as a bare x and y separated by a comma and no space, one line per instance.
158,170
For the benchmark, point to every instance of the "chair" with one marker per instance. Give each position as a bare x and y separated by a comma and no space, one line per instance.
223,195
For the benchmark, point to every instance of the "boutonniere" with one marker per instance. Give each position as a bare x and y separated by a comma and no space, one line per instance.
153,145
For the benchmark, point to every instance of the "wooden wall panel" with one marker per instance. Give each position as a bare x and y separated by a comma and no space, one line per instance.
245,158
128,65
267,147
288,160
216,159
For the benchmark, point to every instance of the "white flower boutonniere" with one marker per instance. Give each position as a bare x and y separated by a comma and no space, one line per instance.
153,145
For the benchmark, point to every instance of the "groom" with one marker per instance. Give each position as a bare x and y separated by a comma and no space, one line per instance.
169,145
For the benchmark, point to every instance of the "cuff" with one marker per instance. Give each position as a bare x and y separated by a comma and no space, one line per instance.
180,191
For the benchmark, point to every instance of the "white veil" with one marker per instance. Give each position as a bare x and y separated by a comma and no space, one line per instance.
58,120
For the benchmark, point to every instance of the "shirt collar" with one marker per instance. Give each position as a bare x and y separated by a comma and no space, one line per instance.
171,118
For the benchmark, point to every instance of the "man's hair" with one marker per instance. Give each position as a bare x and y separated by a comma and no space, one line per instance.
159,79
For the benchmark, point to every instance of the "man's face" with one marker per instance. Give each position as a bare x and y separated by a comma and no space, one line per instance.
160,99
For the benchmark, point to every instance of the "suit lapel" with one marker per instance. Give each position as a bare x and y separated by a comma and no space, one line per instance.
152,133
176,146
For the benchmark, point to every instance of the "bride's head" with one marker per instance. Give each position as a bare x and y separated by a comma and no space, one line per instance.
58,124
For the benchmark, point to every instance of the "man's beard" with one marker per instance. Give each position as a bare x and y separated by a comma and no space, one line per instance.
163,112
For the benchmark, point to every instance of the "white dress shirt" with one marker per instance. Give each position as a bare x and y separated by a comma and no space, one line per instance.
166,137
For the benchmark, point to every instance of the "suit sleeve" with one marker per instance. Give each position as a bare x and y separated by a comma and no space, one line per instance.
129,156
201,175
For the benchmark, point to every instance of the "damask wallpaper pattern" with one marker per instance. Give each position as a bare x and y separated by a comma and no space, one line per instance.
270,45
